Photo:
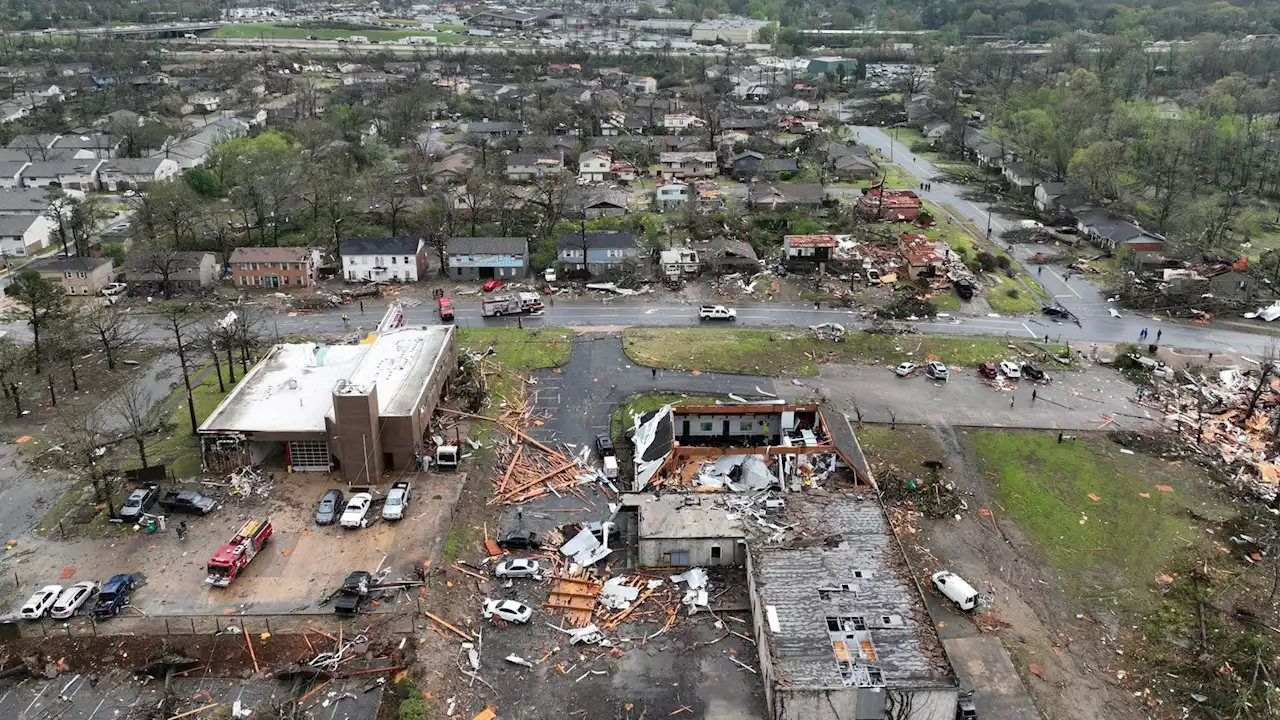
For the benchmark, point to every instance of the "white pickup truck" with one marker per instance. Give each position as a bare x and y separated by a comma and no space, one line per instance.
717,312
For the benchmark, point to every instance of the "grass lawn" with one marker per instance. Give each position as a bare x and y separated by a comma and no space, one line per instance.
519,351
646,402
946,301
1108,549
1001,302
794,352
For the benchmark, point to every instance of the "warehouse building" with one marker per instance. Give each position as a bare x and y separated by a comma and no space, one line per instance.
357,410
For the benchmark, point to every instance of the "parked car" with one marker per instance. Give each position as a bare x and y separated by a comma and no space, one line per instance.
520,540
1010,370
1054,311
139,503
397,500
491,285
549,275
604,444
327,510
189,502
717,312
1032,372
39,604
357,508
72,598
113,595
904,369
936,370
508,610
518,568
964,288
956,589
988,370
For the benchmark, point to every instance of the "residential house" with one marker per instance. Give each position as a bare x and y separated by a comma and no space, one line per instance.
68,174
594,166
492,130
618,123
851,162
696,164
274,267
642,85
678,143
504,18
1058,197
453,170
524,167
366,77
744,124
925,258
988,153
934,127
624,172
751,91
120,118
205,102
1021,178
89,143
135,173
75,275
25,201
723,255
189,271
797,124
777,197
749,164
71,69
194,150
893,205
597,202
380,259
1231,283
676,263
678,122
10,173
597,252
808,250
832,65
23,235
671,196
792,105
483,258
402,67
45,91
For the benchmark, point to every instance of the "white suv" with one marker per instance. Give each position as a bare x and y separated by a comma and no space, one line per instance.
717,312
936,370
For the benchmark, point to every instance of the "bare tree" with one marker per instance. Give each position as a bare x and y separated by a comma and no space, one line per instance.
1267,368
181,319
133,406
115,330
157,256
78,433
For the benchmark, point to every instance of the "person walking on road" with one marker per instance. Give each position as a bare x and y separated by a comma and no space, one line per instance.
1012,399
1033,397
1158,334
655,372
817,304
362,307
1040,270
346,320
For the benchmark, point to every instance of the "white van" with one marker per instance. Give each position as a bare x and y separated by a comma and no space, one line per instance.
955,588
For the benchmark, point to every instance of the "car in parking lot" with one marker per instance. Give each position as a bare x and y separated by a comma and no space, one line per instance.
508,610
1010,370
904,369
113,595
328,508
1032,372
518,568
35,607
520,540
139,503
357,507
397,500
72,598
988,370
936,370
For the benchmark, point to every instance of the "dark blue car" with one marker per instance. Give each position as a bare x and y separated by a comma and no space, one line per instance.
113,595
329,508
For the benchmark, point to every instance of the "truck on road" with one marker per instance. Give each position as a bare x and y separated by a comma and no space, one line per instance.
231,559
499,305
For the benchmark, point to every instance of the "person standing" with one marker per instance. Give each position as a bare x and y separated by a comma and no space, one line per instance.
1158,334
1012,399
1033,397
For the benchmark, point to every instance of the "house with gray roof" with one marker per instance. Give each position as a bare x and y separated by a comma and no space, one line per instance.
483,258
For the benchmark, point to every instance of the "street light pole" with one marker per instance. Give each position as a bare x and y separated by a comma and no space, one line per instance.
988,221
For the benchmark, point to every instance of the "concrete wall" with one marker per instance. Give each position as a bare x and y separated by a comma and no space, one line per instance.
354,436
401,441
863,704
732,552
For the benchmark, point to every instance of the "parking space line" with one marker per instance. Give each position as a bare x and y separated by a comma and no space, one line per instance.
1024,327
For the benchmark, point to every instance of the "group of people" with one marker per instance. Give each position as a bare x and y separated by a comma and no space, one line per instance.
926,186
1145,332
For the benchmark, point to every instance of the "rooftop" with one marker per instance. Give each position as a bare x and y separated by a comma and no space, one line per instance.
842,608
400,362
270,254
63,263
675,515
389,245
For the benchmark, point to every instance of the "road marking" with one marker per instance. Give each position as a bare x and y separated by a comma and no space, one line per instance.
1064,283
1024,327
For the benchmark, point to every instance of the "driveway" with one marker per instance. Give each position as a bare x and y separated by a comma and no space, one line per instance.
1074,400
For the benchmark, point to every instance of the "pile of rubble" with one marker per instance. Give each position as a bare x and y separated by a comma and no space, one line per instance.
1229,418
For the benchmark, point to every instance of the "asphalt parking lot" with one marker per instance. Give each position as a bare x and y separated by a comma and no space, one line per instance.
1071,400
298,567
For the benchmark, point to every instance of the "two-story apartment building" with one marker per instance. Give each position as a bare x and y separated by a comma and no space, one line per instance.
597,252
187,271
68,174
671,196
398,259
695,164
274,267
594,166
642,85
525,167
23,235
75,275
483,258
135,173
681,121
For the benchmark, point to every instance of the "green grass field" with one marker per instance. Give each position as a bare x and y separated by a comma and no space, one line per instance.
782,353
1110,548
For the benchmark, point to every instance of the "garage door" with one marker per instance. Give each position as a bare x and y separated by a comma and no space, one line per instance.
309,456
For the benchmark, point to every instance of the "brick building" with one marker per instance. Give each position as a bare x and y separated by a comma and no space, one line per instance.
274,267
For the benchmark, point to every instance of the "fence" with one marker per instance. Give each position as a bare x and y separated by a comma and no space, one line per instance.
401,622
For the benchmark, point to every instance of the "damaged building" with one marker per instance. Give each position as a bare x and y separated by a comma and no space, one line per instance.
783,490
355,409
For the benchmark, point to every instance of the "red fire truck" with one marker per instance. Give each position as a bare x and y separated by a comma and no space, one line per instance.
232,558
